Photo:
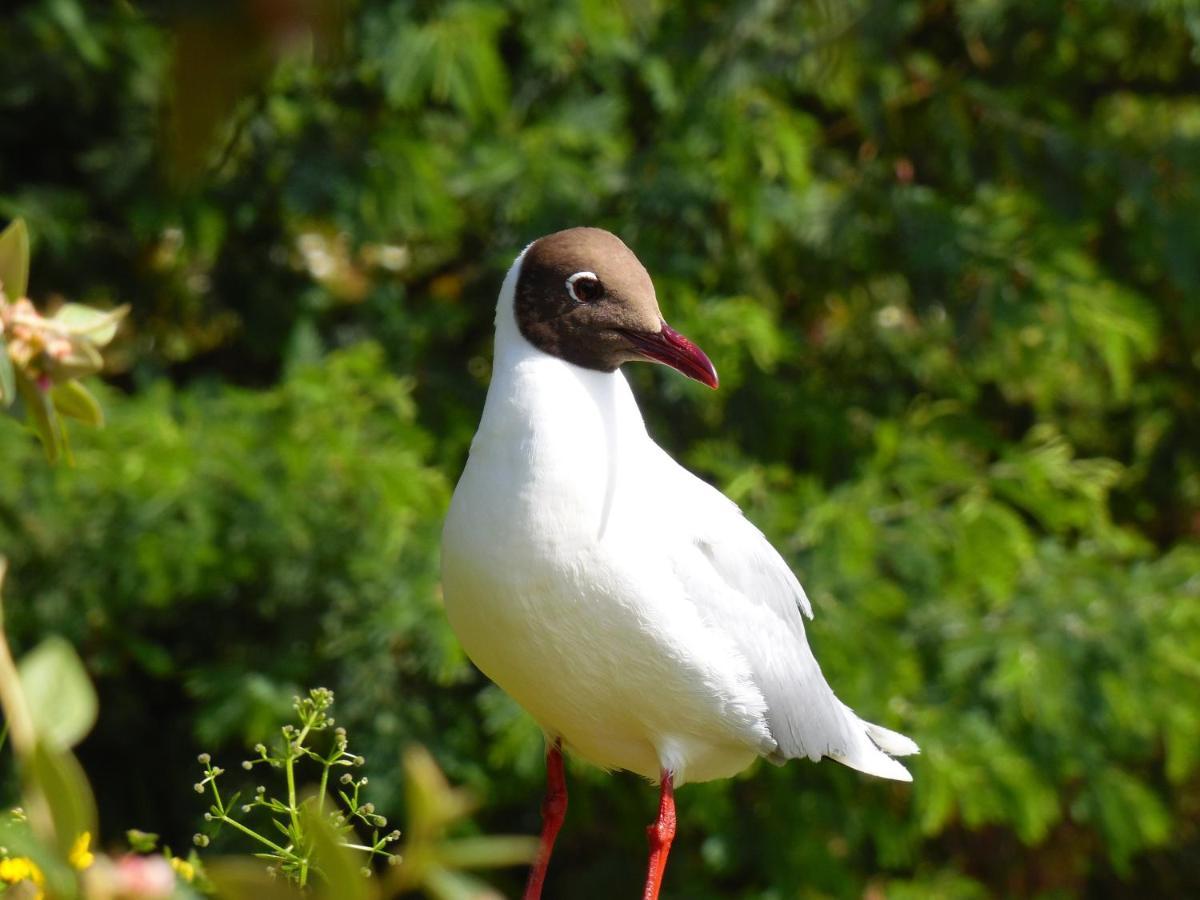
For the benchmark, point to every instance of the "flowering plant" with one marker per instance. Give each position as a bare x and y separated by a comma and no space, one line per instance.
301,819
43,357
49,705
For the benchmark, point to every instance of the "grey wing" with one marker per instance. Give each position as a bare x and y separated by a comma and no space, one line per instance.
744,587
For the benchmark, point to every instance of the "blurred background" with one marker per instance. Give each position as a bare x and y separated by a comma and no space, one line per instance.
945,255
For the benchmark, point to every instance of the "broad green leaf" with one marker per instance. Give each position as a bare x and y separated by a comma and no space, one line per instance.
98,325
41,417
61,781
14,260
60,695
339,866
432,802
72,399
8,377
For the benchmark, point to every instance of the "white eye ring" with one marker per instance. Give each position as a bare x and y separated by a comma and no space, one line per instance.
576,277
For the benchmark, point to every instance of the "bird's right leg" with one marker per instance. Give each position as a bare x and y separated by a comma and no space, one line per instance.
554,810
661,833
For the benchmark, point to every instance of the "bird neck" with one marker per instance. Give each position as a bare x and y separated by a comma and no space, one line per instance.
538,390
564,439
532,389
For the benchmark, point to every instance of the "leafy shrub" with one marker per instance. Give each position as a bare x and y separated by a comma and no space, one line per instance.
149,554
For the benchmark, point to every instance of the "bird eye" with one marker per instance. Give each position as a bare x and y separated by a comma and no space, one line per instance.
585,287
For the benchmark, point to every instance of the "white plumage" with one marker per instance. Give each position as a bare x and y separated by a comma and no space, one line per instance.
622,601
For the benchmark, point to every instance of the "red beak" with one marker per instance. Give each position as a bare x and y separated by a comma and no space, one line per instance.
672,349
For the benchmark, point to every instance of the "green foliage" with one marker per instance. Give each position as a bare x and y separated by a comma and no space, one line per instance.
944,256
168,512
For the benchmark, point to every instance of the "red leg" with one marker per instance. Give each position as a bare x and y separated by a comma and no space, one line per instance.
554,810
661,833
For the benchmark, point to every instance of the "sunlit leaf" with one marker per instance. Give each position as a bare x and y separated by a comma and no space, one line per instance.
14,260
73,399
59,693
97,325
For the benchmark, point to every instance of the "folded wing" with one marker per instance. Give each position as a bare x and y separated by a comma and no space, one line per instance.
741,585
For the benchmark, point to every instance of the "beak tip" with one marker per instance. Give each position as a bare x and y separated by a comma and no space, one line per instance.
669,347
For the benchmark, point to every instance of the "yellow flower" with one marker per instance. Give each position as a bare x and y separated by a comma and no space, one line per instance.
21,868
80,856
183,868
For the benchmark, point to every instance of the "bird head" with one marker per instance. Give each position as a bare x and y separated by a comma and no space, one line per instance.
583,296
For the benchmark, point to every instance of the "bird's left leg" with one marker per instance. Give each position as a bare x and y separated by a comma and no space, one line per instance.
661,833
554,810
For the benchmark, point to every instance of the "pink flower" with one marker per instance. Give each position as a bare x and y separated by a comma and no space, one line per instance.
145,877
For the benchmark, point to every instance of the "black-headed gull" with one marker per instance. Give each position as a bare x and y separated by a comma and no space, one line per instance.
625,603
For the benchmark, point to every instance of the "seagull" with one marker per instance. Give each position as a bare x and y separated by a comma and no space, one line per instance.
622,601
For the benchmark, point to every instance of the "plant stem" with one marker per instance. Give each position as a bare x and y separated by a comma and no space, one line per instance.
217,796
282,851
323,788
293,812
293,753
12,698
20,723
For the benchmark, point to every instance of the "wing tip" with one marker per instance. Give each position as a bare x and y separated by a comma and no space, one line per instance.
802,599
876,763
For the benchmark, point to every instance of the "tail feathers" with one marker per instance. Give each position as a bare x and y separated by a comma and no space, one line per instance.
874,755
891,742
